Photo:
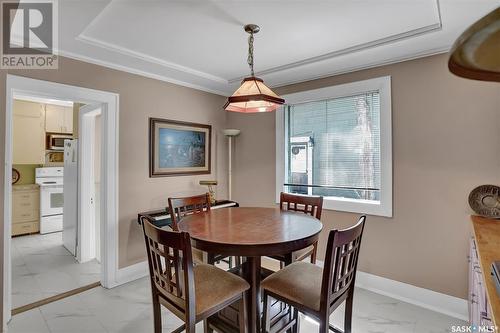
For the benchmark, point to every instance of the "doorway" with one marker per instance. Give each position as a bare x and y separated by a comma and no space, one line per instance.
105,234
44,216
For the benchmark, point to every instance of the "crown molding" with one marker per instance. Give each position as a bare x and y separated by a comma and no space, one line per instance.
390,61
135,71
142,56
84,38
349,50
438,26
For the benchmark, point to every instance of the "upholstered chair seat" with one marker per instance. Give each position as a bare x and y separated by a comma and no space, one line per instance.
214,286
316,291
299,282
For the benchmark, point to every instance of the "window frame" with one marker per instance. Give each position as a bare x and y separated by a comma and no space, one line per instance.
383,86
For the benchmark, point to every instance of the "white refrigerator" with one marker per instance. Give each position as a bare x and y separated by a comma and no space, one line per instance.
70,217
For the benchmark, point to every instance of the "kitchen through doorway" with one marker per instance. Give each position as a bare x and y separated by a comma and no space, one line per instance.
35,247
48,234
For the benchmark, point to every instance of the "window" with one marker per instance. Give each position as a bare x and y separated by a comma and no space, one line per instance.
336,142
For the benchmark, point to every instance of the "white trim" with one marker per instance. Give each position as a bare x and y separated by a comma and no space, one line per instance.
356,48
381,84
375,64
84,38
432,300
429,299
142,56
163,78
44,100
109,226
281,151
132,272
127,69
86,182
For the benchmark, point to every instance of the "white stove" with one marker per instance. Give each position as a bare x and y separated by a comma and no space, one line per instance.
51,184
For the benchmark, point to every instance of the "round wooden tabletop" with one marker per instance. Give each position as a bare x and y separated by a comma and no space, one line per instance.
251,231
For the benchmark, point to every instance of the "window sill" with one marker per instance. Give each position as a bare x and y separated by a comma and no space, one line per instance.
368,207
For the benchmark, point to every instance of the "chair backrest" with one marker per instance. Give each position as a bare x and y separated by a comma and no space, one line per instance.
180,207
341,262
170,267
309,204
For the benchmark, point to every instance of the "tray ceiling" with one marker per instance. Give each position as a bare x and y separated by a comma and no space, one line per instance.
202,44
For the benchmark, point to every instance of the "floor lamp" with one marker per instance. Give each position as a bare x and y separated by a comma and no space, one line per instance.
230,133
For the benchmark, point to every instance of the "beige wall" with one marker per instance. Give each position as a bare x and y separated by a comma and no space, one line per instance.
446,140
140,98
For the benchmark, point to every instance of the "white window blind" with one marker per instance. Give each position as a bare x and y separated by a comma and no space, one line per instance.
336,141
334,147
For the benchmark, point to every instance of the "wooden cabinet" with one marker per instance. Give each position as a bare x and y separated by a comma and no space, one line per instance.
28,133
25,209
479,308
58,119
484,299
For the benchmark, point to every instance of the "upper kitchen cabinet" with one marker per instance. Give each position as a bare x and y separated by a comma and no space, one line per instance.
58,119
29,133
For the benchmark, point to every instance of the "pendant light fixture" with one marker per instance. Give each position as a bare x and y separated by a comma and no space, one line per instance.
253,95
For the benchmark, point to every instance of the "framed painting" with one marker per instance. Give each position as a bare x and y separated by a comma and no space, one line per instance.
178,148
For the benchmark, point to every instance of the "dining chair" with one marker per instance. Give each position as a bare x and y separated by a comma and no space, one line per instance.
192,293
180,207
316,291
183,206
308,204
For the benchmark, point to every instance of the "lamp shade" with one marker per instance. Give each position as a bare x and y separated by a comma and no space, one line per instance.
476,53
253,96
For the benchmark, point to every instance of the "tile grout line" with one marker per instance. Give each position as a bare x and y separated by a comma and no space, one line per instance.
44,320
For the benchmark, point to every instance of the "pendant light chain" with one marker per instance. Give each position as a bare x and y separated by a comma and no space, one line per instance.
253,95
250,53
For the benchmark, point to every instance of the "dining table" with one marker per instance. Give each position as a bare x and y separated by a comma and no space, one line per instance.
251,233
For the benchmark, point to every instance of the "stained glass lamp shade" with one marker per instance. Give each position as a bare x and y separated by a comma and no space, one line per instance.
253,96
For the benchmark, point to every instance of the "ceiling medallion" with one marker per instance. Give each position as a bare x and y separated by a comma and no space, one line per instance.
253,95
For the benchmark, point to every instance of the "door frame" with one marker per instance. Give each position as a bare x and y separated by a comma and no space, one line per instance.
109,174
86,154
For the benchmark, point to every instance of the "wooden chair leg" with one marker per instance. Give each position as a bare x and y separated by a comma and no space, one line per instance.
266,320
190,327
314,253
206,327
296,317
156,314
348,312
324,326
243,320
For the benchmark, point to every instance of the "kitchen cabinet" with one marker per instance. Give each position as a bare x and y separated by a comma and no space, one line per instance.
28,133
479,311
58,119
484,300
25,209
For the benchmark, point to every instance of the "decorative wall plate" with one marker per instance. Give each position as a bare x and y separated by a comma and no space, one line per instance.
484,200
15,176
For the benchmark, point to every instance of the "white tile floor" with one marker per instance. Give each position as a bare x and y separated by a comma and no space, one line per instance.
42,267
127,309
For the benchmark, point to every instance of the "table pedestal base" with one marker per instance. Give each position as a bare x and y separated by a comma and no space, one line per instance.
227,320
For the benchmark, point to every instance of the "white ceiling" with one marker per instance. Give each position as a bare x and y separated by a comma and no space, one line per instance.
201,43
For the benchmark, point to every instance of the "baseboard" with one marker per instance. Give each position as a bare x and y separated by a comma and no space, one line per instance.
132,272
432,300
448,305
